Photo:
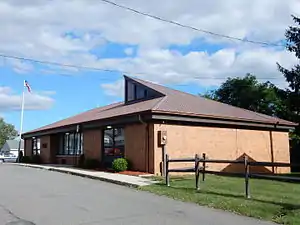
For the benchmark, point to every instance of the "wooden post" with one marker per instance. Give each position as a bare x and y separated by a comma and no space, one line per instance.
203,165
272,150
197,171
167,171
246,177
164,152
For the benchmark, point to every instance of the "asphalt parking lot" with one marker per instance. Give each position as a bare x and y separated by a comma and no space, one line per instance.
32,196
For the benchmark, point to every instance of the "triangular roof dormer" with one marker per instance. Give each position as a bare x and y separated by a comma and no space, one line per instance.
135,91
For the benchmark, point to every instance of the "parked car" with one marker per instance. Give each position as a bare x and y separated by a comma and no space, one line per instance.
8,157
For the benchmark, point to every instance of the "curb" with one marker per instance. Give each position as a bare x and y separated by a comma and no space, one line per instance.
122,183
96,178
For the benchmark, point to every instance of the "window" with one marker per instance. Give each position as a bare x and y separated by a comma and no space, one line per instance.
135,91
71,144
36,146
130,91
114,142
140,93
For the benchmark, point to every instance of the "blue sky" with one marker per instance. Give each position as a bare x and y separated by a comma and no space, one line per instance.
105,37
73,93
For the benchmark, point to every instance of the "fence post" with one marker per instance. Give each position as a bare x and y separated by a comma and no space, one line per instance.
246,177
197,171
203,165
167,170
164,152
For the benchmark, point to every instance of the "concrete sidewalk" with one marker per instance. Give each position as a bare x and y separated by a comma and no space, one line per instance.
121,179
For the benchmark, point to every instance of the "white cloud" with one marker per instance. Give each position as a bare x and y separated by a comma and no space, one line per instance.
9,101
129,51
61,31
49,20
19,66
39,29
114,89
166,67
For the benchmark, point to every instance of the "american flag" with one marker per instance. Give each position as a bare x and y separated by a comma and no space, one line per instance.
26,84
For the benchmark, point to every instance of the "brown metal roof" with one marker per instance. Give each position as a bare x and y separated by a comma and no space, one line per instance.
173,102
188,104
106,112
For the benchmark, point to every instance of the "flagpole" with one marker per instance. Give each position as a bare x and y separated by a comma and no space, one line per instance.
21,125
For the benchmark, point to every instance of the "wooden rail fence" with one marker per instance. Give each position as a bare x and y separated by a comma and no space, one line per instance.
200,167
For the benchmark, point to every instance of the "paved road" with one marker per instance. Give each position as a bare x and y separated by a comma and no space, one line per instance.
50,198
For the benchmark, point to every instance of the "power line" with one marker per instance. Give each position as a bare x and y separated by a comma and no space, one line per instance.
221,78
191,27
108,70
59,64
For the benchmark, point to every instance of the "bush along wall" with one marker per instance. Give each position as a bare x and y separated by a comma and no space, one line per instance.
120,164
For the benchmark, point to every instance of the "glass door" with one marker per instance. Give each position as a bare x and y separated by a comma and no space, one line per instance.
114,145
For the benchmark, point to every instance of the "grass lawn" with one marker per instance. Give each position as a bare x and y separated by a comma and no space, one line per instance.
270,200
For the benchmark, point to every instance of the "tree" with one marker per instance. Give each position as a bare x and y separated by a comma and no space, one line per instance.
7,132
292,75
249,94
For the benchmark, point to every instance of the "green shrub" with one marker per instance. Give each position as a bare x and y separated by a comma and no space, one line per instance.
91,164
120,165
25,159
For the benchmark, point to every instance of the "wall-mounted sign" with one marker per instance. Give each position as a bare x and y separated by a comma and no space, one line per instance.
162,137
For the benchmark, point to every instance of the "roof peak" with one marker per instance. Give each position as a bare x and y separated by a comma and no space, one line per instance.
209,102
155,86
137,90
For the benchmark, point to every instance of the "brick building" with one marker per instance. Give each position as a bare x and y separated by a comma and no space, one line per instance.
130,129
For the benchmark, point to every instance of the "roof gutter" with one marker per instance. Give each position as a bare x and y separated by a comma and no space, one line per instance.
223,122
123,119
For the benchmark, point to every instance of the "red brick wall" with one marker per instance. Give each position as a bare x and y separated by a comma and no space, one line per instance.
138,149
28,147
45,144
151,149
136,146
55,138
67,159
49,146
222,143
92,143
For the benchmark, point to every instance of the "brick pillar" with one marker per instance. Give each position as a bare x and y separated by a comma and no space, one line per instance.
46,149
28,147
136,147
92,144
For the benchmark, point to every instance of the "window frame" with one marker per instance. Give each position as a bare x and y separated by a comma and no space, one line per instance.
114,141
36,146
68,147
131,92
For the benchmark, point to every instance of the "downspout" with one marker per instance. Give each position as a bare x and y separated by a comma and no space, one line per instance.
272,147
146,144
272,150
